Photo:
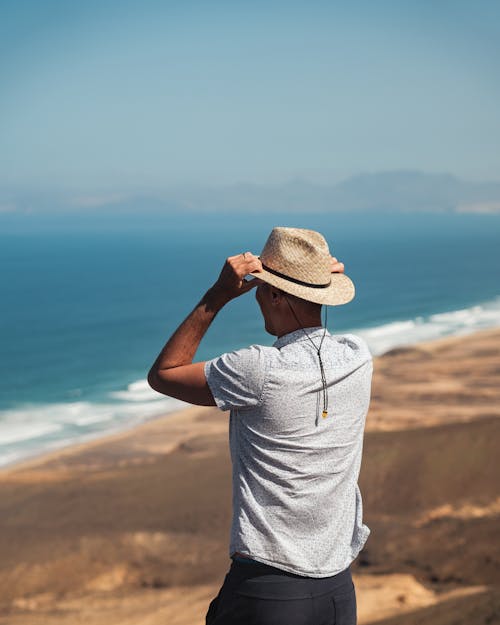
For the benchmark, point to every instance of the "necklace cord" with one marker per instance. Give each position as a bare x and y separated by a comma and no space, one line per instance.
318,351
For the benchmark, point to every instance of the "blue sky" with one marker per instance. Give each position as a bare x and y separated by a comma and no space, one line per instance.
149,95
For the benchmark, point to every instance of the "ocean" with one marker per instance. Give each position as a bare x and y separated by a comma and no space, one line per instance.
87,303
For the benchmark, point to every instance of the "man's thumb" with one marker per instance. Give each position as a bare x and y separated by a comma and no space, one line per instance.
246,285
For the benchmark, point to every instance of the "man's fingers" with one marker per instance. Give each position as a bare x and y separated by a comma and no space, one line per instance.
245,263
335,266
253,265
243,256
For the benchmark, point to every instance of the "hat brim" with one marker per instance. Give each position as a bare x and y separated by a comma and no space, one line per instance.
340,291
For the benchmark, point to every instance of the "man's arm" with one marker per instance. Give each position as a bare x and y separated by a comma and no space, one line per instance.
174,372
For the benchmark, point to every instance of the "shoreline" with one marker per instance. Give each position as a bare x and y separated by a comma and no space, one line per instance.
177,419
407,351
32,431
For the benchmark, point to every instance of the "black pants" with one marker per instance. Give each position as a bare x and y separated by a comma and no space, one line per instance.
257,594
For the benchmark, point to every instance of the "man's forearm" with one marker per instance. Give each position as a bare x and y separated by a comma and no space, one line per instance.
181,347
173,372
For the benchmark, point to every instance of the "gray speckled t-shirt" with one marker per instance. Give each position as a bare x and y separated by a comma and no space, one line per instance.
296,500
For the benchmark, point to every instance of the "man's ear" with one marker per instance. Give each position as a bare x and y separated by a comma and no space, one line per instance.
276,295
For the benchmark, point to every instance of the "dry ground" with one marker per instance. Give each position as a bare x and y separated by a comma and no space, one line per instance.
133,529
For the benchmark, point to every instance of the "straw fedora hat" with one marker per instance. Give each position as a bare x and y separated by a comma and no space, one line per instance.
298,262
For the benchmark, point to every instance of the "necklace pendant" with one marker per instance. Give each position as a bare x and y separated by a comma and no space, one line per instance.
324,414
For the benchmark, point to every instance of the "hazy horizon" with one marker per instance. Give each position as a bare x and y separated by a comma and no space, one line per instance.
382,192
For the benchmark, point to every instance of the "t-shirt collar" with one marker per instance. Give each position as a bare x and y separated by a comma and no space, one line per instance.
299,335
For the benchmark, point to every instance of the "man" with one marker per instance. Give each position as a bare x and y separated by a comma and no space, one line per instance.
298,411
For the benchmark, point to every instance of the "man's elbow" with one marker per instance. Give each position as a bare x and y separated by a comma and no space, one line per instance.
160,382
154,380
185,382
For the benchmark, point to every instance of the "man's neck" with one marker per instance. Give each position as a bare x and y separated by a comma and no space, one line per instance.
294,327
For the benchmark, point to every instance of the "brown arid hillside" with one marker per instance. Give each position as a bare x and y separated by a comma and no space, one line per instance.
133,529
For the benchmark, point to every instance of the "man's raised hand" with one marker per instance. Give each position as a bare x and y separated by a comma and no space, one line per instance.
231,282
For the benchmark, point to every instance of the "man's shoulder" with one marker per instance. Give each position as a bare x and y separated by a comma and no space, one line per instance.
354,343
255,349
248,354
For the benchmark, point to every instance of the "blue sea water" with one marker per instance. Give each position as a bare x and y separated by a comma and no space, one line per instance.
87,304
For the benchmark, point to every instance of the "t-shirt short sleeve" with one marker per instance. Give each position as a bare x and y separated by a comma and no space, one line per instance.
236,379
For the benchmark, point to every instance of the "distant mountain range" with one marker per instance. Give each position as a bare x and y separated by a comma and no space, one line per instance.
400,191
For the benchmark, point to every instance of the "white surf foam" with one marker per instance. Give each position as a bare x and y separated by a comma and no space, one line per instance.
36,428
14,433
139,391
382,338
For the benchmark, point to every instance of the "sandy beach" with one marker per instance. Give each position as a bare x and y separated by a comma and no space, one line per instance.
133,529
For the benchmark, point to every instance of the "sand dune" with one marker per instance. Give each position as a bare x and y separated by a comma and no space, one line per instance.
133,529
